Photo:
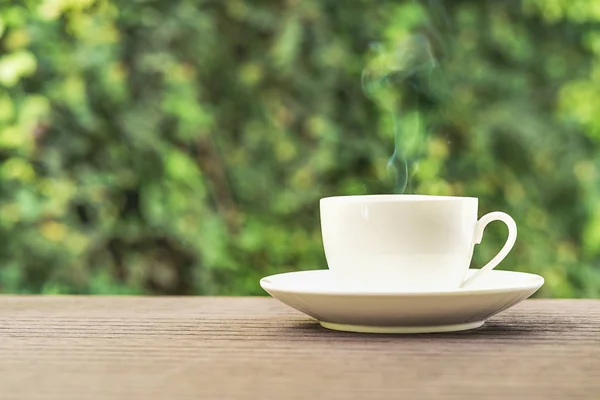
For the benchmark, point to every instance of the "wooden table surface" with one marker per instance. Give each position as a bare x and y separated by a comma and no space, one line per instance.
256,348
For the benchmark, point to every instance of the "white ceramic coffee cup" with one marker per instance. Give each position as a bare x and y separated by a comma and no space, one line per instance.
406,242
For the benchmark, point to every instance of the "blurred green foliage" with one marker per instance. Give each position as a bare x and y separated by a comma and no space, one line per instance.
181,147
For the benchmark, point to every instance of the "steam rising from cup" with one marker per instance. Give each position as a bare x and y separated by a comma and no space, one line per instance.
396,77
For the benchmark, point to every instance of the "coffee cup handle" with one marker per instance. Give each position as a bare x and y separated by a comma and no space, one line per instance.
510,241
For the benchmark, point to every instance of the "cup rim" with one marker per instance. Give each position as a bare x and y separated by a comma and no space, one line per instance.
383,198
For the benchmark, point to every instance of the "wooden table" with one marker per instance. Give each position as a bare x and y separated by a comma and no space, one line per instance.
256,348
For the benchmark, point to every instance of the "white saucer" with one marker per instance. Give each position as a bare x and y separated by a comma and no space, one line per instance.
316,294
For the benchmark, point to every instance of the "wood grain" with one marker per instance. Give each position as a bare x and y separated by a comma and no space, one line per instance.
257,348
